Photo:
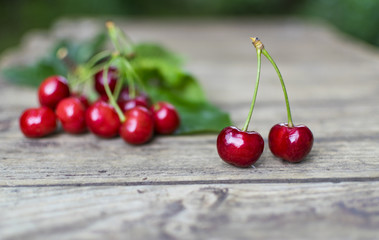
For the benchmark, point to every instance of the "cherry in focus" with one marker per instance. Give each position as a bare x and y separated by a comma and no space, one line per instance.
239,148
138,127
38,122
71,113
290,143
102,120
166,118
52,90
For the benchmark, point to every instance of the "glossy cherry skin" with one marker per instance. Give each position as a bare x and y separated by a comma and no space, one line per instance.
38,122
72,115
52,90
166,118
82,98
111,78
290,143
131,103
125,96
138,127
102,120
241,149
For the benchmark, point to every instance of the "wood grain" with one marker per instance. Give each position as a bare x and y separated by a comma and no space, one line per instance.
217,211
176,187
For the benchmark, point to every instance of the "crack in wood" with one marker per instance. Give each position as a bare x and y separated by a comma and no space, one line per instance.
201,182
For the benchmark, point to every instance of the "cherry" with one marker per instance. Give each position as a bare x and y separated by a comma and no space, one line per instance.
71,113
242,148
287,141
124,95
38,122
131,103
112,78
103,98
102,120
290,143
239,148
138,127
82,98
166,118
52,90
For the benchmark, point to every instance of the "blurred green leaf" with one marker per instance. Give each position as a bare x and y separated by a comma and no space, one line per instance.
196,117
162,74
34,74
157,52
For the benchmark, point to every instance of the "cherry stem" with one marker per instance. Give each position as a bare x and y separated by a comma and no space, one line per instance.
120,40
128,44
118,87
259,51
99,56
132,88
290,123
112,33
112,100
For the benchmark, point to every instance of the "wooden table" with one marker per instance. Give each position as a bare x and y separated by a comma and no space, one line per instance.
83,187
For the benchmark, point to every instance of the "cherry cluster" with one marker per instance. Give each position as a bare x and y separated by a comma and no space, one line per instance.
287,141
134,118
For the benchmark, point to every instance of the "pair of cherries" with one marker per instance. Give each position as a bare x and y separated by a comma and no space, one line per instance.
287,141
136,124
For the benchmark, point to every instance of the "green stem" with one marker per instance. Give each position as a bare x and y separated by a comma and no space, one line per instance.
129,78
128,45
119,84
112,33
112,101
290,123
259,51
96,58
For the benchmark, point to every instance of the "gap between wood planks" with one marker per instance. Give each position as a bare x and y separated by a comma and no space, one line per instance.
204,182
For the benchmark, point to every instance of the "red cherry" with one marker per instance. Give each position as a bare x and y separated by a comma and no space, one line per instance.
131,103
102,120
52,90
111,78
166,118
82,98
124,95
241,149
138,127
71,113
103,98
38,122
290,143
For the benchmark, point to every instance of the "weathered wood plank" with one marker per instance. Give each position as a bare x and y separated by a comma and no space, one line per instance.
221,211
92,160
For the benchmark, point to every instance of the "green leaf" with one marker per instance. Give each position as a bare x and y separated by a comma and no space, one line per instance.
160,74
196,117
34,74
157,52
201,118
165,80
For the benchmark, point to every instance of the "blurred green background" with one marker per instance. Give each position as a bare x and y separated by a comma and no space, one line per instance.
359,18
